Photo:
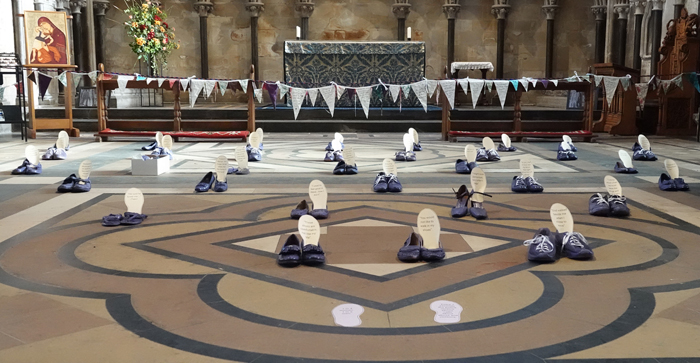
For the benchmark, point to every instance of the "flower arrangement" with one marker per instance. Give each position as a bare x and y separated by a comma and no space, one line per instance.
152,39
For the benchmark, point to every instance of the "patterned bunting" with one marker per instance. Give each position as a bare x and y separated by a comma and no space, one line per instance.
555,81
432,86
502,90
172,82
394,90
642,90
122,81
298,95
209,88
160,82
258,93
93,76
489,85
678,81
328,94
272,89
149,80
283,89
340,91
610,88
597,80
524,83
62,78
420,89
196,87
545,83
78,77
406,89
449,87
464,83
533,82
184,82
223,85
313,95
364,94
665,85
694,80
626,83
244,85
476,86
44,82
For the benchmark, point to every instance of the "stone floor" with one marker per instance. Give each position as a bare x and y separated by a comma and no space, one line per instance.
198,282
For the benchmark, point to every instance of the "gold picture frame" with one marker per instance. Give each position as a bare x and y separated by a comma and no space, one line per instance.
46,39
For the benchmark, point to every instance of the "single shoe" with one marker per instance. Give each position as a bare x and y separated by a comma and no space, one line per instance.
312,255
432,254
462,167
410,252
232,170
244,171
410,156
338,156
254,155
393,184
329,157
290,254
575,247
206,183
339,169
319,213
59,154
666,183
219,186
650,156
417,147
473,165
22,168
33,169
518,185
681,184
350,169
48,155
381,183
400,156
638,152
620,168
81,185
67,184
542,246
492,155
112,220
598,205
533,186
481,155
477,210
150,146
503,148
133,218
461,209
618,206
301,209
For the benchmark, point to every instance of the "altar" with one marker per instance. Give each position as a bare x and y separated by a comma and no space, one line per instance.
310,64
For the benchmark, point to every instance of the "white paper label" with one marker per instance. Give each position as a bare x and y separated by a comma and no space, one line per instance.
644,142
613,186
221,167
347,314
159,138
254,140
429,228
335,145
478,182
470,153
85,169
672,168
626,158
390,167
414,133
259,131
318,194
527,169
133,200
446,312
309,230
168,142
241,158
64,136
61,143
567,139
408,142
338,136
561,218
349,155
32,154
488,143
506,140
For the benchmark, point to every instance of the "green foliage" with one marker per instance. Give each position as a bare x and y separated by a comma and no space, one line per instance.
152,38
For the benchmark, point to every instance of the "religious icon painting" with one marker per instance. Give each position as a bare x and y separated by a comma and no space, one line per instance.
46,36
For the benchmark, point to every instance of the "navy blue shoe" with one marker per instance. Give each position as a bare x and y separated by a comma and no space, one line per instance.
620,168
312,255
206,183
432,255
329,157
636,146
493,155
461,209
410,252
150,146
503,148
133,218
410,156
666,183
542,247
481,155
380,183
393,184
572,147
477,210
518,185
533,186
681,184
350,169
649,155
339,169
473,165
564,155
319,213
462,167
417,147
301,209
338,156
598,205
81,185
33,169
22,168
574,246
48,155
618,206
232,170
67,184
254,155
290,254
400,156
219,186
330,146
112,220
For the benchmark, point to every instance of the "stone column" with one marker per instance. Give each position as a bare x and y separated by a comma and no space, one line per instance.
639,6
204,8
305,9
622,9
451,9
100,7
550,8
78,43
500,10
678,6
401,9
657,10
255,8
600,10
44,5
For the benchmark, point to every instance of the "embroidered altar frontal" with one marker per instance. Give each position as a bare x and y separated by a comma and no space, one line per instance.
311,64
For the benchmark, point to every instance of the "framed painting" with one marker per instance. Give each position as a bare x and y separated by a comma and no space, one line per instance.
46,37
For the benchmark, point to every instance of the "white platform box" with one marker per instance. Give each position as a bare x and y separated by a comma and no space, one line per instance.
150,167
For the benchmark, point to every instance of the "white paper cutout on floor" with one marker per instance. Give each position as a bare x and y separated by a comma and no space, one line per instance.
254,140
446,312
159,138
526,167
672,168
626,158
349,155
478,181
168,142
567,139
221,168
389,167
506,140
408,142
414,133
64,136
309,230
488,144
644,142
32,154
561,218
259,131
318,194
336,146
613,186
347,315
338,136
85,169
470,153
241,158
133,198
60,143
429,228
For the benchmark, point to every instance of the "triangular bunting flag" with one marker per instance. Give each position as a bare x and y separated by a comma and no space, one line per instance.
44,82
533,82
283,89
272,89
432,86
678,81
420,89
340,90
406,89
172,83
258,94
449,87
209,88
313,95
489,85
364,94
123,80
694,80
223,85
597,79
62,78
298,95
464,83
666,85
244,84
515,84
476,86
184,82
93,76
328,94
642,90
196,86
524,83
545,83
394,90
32,77
149,80
78,77
138,77
610,88
555,81
626,82
502,90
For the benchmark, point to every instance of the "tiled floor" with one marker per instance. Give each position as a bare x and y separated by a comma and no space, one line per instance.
198,282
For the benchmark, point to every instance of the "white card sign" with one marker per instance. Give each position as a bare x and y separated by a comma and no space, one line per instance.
318,194
221,167
613,186
159,138
309,230
414,133
338,136
478,182
349,155
408,142
259,131
133,198
335,145
347,315
567,139
429,228
61,143
32,154
64,136
389,167
626,159
470,153
527,169
85,169
561,218
488,143
241,158
254,140
672,168
446,312
168,142
506,140
644,142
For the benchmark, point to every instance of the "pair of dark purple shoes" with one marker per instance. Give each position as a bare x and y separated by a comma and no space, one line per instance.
666,183
129,219
548,246
608,205
526,185
641,154
620,168
210,182
27,168
462,209
405,156
503,148
387,183
487,155
344,169
334,156
303,209
294,252
73,184
463,167
414,251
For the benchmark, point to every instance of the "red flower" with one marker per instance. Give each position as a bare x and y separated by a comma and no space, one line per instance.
156,17
165,24
165,41
151,35
142,27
